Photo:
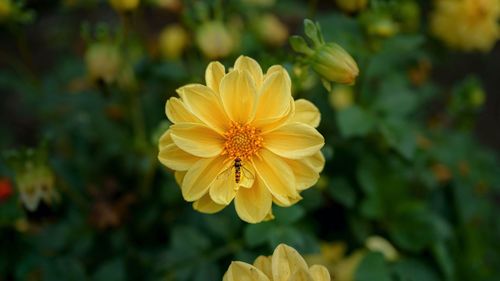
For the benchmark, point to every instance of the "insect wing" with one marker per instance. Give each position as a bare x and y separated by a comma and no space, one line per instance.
247,177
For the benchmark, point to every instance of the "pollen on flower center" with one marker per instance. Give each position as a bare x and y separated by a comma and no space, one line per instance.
242,141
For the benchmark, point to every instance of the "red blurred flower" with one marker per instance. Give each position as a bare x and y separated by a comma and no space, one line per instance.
5,189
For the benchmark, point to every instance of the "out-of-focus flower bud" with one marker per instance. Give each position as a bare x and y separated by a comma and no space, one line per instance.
5,189
124,5
214,40
271,30
477,97
171,5
352,6
382,26
341,97
329,60
409,15
380,244
103,62
420,73
334,64
5,9
173,40
441,172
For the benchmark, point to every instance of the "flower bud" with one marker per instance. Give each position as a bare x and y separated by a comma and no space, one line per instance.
171,5
103,62
341,97
173,40
380,244
383,27
214,40
272,31
334,64
124,5
352,6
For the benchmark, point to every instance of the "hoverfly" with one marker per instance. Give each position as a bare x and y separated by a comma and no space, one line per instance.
242,176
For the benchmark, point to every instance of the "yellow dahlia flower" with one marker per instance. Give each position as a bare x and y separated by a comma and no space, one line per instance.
243,137
285,264
467,24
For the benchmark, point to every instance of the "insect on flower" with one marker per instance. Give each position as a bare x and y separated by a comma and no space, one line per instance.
236,175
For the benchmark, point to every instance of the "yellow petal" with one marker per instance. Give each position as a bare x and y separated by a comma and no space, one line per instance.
252,66
319,273
274,69
204,103
199,178
273,96
305,175
286,201
276,175
294,141
301,275
177,112
263,263
224,187
197,139
285,261
206,205
172,156
306,112
179,177
240,271
238,94
317,161
269,124
254,203
213,75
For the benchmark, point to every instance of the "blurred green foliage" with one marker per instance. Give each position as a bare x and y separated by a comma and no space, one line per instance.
401,159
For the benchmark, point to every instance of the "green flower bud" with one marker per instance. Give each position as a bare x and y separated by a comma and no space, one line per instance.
334,64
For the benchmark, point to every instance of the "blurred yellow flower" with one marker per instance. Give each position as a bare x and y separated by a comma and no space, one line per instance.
5,9
103,62
173,40
285,264
352,5
466,24
214,40
271,30
124,5
332,256
36,184
242,137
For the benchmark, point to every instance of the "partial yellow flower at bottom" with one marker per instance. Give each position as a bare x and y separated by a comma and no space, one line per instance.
285,264
242,137
467,24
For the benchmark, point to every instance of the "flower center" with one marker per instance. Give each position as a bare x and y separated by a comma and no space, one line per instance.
242,141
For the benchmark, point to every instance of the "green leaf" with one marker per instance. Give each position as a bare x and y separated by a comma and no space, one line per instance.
288,215
354,121
113,270
312,32
299,45
413,227
258,234
342,192
414,270
400,136
372,267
